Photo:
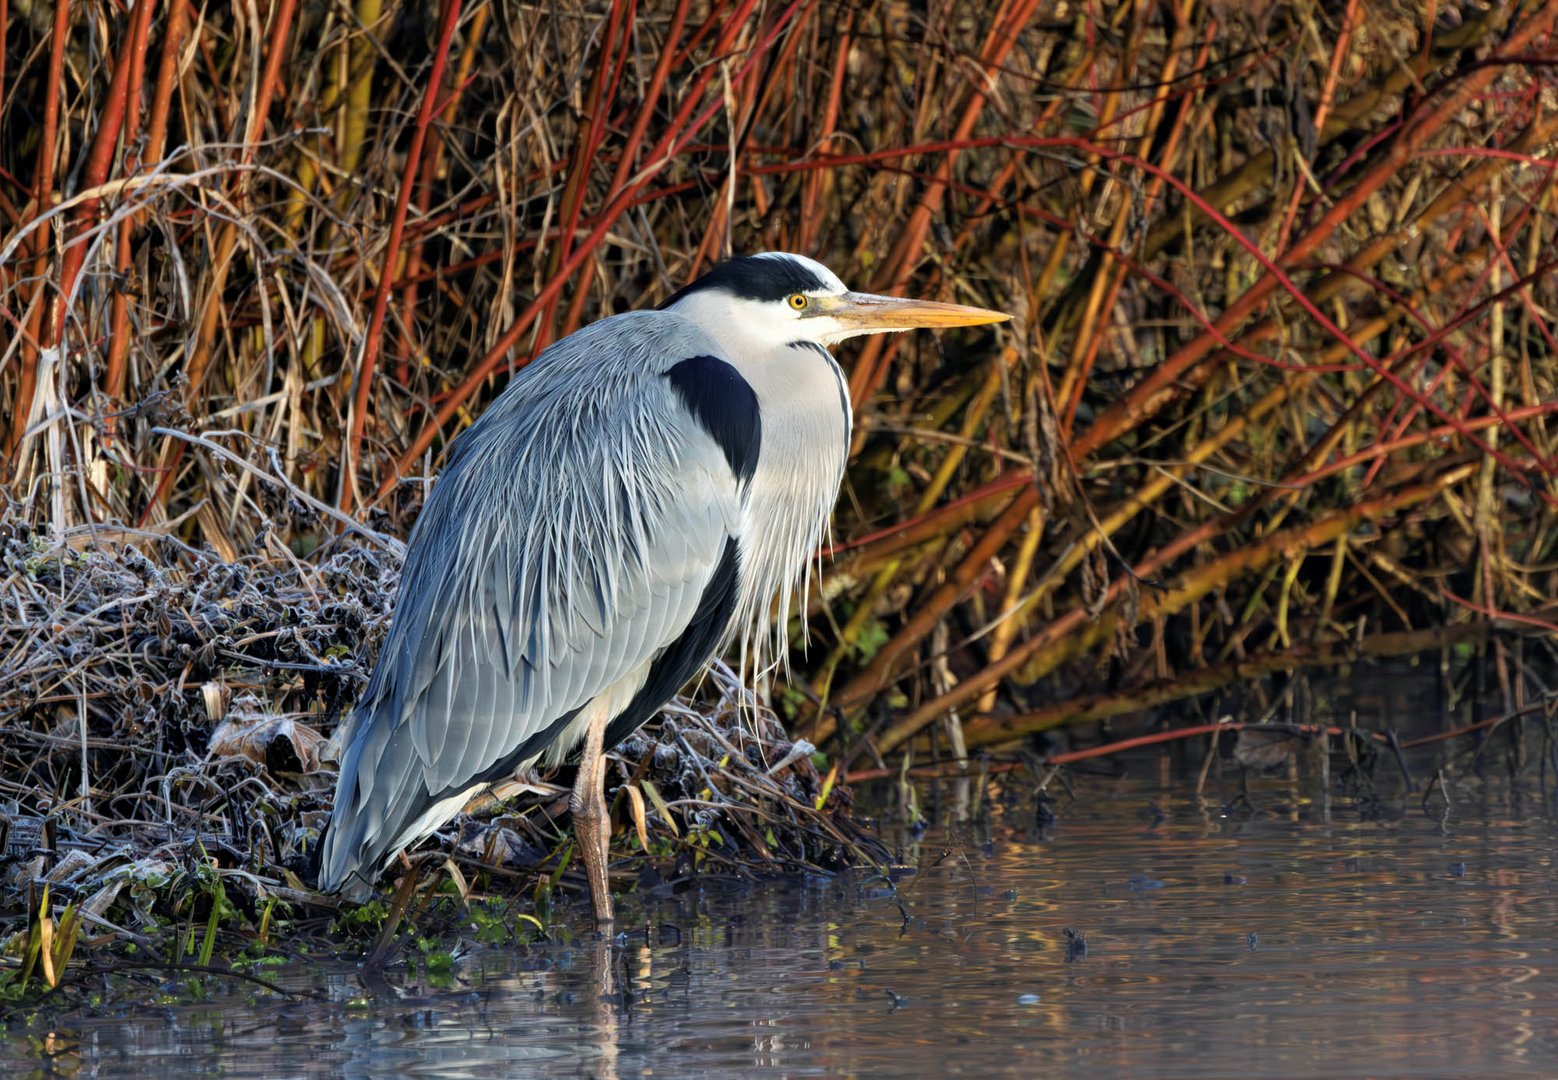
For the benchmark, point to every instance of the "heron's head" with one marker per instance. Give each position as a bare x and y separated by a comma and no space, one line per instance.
776,298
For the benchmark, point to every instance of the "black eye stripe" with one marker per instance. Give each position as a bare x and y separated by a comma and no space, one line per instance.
756,277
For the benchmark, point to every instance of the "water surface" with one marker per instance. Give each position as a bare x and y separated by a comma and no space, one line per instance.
1204,939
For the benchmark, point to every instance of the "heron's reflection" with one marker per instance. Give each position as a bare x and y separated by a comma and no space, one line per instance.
605,1007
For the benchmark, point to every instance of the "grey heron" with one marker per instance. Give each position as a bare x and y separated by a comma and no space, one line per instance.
637,497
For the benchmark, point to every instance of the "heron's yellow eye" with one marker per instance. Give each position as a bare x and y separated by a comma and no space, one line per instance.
798,301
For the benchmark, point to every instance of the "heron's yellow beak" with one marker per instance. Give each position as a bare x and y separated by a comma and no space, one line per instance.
865,313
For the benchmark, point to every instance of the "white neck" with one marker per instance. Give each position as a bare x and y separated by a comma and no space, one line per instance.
803,400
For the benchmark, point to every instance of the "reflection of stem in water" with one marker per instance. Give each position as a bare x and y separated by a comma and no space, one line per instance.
1324,754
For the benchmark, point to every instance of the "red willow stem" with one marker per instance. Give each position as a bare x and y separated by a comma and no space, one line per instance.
174,31
1459,363
682,54
597,135
1175,735
1385,448
1199,729
431,164
173,34
100,160
43,187
449,18
1322,113
579,167
273,58
958,584
635,139
817,183
921,527
119,317
5,12
1491,612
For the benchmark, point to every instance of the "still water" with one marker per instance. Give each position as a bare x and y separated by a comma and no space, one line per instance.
1286,938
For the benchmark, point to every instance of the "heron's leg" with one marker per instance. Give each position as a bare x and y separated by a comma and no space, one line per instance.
588,806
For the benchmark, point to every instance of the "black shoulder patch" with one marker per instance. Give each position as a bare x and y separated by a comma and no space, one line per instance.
755,277
682,659
725,406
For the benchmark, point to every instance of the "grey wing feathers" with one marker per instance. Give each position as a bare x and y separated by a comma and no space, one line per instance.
567,543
